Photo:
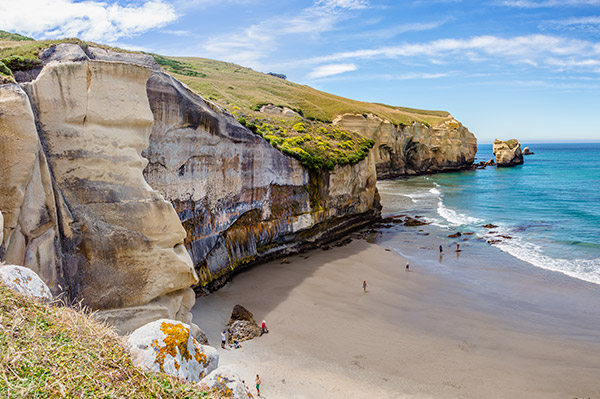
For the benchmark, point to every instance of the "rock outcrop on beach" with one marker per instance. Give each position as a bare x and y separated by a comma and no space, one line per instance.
242,326
507,153
85,210
415,149
226,382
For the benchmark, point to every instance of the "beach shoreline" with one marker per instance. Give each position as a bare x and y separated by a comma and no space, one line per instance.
414,334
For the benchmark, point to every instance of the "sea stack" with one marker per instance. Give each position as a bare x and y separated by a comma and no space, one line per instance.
527,151
508,153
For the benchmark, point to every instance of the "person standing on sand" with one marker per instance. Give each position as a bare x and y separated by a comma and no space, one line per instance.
441,249
223,339
258,382
365,286
407,267
457,247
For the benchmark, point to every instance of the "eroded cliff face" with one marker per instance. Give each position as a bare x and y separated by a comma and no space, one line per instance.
416,149
84,208
77,208
241,200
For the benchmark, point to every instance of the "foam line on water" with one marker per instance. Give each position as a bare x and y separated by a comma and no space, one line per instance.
583,269
456,218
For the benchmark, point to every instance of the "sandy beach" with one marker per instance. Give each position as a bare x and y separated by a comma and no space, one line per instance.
411,335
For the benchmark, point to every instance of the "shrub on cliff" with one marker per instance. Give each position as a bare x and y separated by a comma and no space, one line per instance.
20,63
314,144
58,352
6,75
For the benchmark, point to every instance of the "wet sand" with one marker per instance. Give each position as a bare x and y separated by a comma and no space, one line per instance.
412,335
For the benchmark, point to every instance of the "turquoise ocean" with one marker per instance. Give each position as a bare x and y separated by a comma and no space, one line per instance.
547,211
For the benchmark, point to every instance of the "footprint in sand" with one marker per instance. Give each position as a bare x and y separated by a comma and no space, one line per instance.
466,346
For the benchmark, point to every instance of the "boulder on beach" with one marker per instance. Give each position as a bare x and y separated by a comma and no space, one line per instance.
414,221
242,326
227,382
455,235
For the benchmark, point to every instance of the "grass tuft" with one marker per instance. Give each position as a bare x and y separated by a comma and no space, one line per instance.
50,351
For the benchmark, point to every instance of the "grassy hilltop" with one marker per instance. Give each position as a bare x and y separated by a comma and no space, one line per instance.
310,137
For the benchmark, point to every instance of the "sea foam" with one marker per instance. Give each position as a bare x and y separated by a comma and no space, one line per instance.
583,269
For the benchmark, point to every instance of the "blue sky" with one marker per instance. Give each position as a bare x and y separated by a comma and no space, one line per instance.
526,69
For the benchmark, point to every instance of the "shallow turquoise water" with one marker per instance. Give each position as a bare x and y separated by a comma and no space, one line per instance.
550,206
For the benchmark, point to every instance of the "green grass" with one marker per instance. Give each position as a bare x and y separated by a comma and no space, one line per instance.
230,84
15,37
58,352
6,75
315,144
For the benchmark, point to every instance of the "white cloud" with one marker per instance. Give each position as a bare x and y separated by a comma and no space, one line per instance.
549,3
249,45
590,24
532,50
331,69
89,20
342,4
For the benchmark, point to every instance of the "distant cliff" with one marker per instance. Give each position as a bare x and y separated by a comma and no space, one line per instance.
415,149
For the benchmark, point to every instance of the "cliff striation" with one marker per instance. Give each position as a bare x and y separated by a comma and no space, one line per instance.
240,199
111,169
416,149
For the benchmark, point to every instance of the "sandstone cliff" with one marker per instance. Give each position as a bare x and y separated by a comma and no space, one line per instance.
77,208
415,149
84,208
507,153
240,199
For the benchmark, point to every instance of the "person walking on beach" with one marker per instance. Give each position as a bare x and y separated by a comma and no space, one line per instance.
457,247
258,382
223,339
407,267
365,286
441,249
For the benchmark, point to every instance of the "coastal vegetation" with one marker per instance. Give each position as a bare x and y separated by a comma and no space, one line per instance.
315,144
49,351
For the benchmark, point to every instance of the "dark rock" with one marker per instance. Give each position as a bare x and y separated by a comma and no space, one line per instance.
507,237
243,330
343,242
457,234
527,151
241,313
489,226
414,222
468,233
